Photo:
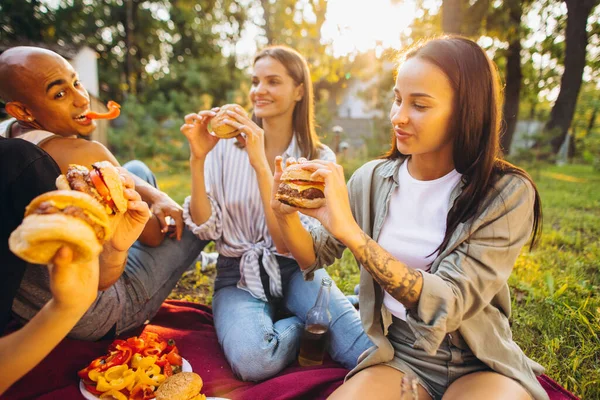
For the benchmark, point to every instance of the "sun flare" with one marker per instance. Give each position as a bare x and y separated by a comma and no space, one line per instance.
360,25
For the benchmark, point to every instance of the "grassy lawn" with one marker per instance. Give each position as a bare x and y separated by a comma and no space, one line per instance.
555,287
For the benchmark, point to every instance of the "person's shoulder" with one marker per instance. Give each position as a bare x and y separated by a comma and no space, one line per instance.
18,149
513,182
69,150
372,167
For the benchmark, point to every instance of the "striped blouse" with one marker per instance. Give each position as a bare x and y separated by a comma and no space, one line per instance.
237,223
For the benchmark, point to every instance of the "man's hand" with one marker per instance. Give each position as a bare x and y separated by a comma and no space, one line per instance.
164,207
73,286
127,227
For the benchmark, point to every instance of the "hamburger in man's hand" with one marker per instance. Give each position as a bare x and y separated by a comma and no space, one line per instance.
298,189
58,218
102,182
218,125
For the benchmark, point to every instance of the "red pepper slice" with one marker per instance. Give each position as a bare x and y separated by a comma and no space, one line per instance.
97,363
174,358
142,392
136,344
114,109
167,370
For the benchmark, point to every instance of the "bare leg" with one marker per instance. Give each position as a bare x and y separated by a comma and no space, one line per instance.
486,385
378,382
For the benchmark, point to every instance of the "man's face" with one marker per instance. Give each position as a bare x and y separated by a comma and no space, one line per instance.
55,96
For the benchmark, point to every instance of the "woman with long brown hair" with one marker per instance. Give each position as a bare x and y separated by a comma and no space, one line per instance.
257,281
437,225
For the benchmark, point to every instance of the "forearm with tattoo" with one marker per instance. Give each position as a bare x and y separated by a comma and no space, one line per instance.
400,281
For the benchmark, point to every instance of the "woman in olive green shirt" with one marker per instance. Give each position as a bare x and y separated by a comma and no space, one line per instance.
436,225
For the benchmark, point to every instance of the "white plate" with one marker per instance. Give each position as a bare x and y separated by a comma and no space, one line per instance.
186,367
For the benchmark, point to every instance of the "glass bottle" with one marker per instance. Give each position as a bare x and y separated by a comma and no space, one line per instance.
316,327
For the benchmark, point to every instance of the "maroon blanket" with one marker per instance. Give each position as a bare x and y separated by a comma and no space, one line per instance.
191,326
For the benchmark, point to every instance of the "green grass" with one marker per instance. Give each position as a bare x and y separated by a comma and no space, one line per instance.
555,288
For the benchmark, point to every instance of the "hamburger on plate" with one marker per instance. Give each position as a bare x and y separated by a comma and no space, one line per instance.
58,218
298,189
181,386
102,182
219,127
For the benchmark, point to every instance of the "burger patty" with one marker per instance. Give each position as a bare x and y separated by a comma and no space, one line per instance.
310,194
47,208
80,180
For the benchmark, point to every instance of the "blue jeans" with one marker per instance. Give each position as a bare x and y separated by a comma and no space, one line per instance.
258,346
150,275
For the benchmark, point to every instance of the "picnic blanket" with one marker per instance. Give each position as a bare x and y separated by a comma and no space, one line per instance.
191,326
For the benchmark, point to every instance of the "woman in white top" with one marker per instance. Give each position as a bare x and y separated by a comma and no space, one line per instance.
230,204
437,226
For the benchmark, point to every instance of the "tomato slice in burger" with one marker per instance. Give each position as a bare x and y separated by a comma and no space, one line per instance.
101,188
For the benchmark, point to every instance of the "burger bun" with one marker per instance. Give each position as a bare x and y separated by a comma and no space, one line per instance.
181,386
40,236
112,179
219,127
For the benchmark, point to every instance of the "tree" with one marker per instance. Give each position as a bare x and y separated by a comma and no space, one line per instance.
576,40
514,75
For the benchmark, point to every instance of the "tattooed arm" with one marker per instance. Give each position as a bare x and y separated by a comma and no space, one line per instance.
399,280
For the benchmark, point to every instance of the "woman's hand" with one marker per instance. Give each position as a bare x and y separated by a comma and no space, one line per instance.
279,209
128,226
195,129
336,216
254,139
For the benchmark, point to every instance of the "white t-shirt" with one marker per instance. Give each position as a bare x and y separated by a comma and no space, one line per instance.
416,223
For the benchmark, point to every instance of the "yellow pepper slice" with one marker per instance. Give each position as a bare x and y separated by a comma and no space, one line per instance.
116,384
115,372
94,374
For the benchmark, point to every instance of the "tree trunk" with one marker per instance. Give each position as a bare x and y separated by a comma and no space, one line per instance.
452,16
129,46
512,91
592,121
266,6
576,39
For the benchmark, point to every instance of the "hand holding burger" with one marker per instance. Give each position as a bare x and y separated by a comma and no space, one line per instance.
223,125
333,210
58,218
299,189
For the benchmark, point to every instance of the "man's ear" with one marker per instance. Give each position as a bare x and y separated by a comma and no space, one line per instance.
299,92
19,111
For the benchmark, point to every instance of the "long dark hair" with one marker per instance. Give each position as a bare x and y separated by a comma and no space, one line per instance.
475,127
303,122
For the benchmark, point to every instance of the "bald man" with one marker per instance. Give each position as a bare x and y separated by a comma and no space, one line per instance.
47,101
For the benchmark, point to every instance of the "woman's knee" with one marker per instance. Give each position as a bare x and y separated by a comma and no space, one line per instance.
255,363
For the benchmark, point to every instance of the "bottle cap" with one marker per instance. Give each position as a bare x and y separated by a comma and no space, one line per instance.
326,282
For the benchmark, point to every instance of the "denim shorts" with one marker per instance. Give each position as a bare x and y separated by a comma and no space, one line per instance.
435,373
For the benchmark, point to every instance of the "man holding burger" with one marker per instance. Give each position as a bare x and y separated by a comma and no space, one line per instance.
44,95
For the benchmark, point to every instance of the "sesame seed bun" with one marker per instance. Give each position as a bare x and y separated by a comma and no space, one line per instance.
181,386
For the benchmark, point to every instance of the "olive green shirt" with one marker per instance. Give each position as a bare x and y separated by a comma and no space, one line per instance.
465,294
